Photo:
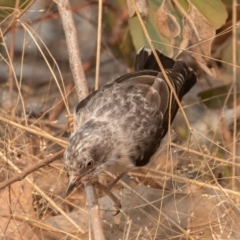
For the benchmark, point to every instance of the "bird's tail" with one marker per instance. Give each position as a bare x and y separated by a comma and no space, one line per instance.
145,60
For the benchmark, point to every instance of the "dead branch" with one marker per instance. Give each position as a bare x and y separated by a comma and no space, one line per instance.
57,110
42,193
31,169
94,212
73,49
82,91
35,130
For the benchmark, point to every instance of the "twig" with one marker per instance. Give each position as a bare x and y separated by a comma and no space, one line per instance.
37,131
55,15
156,208
99,35
64,9
206,156
35,38
117,31
234,61
94,212
39,225
82,91
60,105
156,175
31,169
10,26
13,76
39,190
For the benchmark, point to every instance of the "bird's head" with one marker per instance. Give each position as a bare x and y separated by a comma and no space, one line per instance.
83,158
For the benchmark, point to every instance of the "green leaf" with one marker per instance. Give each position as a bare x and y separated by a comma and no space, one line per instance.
185,6
213,10
215,98
142,6
7,7
160,42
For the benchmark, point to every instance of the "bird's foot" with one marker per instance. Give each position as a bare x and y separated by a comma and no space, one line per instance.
105,188
108,187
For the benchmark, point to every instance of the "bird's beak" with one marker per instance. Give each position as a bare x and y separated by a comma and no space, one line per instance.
71,184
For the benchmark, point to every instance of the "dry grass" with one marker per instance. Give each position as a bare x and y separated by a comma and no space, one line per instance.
190,190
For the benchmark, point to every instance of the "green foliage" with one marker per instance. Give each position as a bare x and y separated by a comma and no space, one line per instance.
215,98
214,11
138,35
8,7
166,18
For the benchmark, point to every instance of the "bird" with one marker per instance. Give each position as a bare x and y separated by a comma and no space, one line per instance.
119,127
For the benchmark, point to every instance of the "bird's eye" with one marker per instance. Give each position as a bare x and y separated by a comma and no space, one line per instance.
90,163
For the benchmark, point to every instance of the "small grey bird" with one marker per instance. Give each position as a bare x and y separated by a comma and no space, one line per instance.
119,127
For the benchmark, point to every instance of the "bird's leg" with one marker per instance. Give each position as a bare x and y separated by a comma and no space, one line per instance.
115,200
108,187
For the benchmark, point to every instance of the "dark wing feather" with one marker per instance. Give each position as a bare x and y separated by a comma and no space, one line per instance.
146,60
82,111
147,73
182,79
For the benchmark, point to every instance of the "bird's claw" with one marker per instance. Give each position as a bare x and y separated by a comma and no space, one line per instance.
115,200
116,213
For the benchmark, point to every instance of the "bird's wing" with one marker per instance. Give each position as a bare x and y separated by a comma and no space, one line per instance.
147,76
155,90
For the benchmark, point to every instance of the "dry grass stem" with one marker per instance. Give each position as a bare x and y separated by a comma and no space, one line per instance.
31,169
99,43
36,131
48,199
234,61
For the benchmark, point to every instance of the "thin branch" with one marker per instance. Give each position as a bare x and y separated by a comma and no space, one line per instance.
94,212
206,156
76,67
36,224
234,61
57,110
55,15
82,92
187,181
31,169
12,24
156,208
36,131
99,35
35,37
42,193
